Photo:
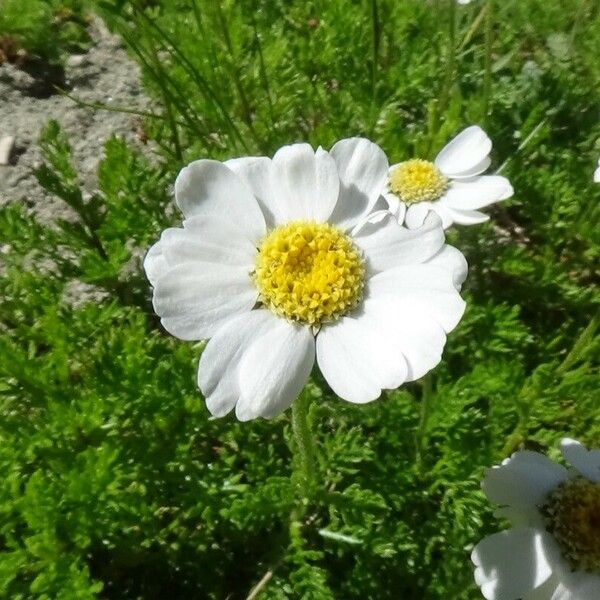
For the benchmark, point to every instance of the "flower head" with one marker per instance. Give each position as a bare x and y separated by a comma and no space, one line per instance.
452,185
553,550
597,173
269,265
309,272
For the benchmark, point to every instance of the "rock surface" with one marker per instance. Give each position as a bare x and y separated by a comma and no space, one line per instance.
7,144
105,75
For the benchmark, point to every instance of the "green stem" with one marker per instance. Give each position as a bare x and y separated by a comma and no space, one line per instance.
426,395
304,444
449,59
473,28
577,21
581,343
489,43
450,53
376,42
235,71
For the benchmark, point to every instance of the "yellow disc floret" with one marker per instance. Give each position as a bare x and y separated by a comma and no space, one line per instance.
572,514
309,272
417,180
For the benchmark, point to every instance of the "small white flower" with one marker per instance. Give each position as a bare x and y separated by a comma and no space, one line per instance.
452,185
265,267
597,173
553,550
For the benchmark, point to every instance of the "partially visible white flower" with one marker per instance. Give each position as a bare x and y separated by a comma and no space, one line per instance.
267,267
553,550
464,1
597,173
452,186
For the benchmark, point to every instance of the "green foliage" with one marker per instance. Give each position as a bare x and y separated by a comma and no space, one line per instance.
117,484
44,29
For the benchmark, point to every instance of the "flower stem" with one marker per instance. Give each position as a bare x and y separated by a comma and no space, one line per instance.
449,62
376,26
450,53
489,42
424,416
304,443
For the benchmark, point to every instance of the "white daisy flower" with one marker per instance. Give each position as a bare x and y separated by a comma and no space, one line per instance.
553,550
452,185
265,267
597,173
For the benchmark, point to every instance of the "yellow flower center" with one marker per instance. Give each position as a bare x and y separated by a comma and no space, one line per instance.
572,515
417,180
309,272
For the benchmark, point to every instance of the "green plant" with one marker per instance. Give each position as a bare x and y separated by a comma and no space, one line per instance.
42,29
118,485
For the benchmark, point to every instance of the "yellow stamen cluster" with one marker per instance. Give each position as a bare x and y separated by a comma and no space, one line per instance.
572,515
309,272
417,180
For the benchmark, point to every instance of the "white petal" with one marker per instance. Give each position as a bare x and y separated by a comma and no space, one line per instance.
212,239
155,263
587,462
194,298
381,211
218,368
373,218
401,213
394,203
208,187
544,591
387,244
255,173
453,260
462,217
359,357
478,169
521,517
477,193
362,167
416,213
523,480
381,203
445,213
467,150
578,586
420,337
510,564
426,288
597,173
305,184
274,369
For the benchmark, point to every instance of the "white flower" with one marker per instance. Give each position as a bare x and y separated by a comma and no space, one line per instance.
597,173
264,266
553,550
452,185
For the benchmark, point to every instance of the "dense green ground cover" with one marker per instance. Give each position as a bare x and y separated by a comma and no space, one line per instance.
115,482
41,30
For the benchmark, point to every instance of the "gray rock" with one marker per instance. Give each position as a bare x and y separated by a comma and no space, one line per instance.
105,71
76,60
7,143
